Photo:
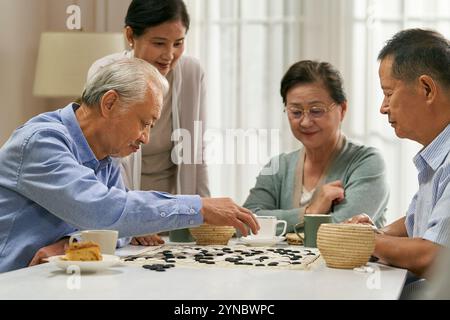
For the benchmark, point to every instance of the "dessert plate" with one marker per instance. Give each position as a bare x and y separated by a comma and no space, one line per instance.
261,242
89,266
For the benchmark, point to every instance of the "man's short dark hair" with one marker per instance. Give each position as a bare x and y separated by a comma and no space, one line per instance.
417,52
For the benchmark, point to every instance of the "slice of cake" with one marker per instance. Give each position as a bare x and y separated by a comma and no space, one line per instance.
83,251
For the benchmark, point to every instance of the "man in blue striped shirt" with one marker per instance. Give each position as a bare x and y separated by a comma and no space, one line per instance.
415,78
58,174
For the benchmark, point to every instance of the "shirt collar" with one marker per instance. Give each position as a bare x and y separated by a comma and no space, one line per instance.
85,152
436,152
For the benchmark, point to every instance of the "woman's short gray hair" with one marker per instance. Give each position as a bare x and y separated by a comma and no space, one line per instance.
129,77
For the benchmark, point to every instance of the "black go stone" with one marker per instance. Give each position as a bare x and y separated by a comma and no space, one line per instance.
156,267
202,261
148,266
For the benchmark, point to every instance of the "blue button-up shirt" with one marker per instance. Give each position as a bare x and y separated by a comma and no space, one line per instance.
428,216
51,185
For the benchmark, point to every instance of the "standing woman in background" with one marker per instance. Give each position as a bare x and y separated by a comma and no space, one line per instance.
155,31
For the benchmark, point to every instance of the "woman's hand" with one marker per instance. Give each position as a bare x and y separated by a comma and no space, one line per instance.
361,219
325,197
148,240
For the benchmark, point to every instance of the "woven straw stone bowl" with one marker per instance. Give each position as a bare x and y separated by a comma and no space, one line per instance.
345,246
206,234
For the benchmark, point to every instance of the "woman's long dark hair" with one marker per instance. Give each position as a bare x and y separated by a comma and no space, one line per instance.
143,14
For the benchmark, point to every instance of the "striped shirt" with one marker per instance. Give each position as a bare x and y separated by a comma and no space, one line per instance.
428,215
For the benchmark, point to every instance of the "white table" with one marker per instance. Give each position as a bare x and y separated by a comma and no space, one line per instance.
46,281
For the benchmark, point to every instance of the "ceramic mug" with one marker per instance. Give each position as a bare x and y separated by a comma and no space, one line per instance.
268,227
106,239
310,225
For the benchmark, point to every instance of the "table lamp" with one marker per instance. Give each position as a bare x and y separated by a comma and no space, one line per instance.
65,57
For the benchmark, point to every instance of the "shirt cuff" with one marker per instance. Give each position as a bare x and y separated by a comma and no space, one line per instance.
189,207
189,204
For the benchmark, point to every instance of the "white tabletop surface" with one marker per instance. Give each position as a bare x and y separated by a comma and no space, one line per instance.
46,281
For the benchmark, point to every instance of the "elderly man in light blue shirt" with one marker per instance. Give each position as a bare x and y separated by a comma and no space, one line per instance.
415,78
58,174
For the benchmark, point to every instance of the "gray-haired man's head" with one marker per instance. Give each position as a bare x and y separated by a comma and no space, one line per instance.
130,78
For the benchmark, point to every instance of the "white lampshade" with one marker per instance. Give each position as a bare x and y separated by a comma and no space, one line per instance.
65,57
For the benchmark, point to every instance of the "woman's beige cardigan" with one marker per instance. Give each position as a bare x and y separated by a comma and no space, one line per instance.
188,114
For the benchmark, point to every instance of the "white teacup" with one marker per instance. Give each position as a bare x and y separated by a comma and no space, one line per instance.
106,239
268,227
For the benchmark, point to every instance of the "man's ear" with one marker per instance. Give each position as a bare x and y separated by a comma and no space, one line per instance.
107,103
344,110
427,88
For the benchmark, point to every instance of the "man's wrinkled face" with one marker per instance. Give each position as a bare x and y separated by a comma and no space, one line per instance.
401,102
132,125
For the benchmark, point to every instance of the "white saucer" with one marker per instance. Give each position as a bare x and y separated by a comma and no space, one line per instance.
261,242
89,266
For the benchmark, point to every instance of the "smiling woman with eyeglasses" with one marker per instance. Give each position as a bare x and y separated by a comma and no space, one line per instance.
329,174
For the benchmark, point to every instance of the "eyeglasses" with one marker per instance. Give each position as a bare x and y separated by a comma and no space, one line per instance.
315,111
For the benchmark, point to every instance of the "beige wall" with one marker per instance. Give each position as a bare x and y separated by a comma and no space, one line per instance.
21,23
